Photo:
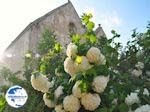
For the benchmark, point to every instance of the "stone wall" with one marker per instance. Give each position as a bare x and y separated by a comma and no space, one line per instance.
14,55
58,21
61,21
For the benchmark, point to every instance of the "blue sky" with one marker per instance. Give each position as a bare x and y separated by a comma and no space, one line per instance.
120,15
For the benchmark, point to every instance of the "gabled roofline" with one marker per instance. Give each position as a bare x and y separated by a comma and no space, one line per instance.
99,28
35,22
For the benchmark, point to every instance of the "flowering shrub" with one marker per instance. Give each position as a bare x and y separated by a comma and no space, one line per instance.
93,74
90,75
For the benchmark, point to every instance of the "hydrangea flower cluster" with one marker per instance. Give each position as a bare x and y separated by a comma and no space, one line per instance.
138,71
143,108
132,98
74,64
82,63
40,83
77,80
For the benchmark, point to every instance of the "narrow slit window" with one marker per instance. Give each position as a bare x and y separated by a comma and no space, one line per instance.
72,28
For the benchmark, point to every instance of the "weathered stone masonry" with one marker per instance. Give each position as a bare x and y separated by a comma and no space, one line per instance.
60,20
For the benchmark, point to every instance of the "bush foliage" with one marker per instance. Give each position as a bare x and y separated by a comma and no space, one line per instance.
120,64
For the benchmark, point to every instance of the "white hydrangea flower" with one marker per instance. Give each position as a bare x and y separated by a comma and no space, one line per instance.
76,90
148,73
84,65
90,101
95,56
48,102
70,67
144,108
137,91
146,92
139,65
132,98
71,103
99,83
115,101
58,91
72,50
59,108
136,73
40,82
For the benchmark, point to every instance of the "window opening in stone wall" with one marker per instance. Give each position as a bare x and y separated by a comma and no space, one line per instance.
72,28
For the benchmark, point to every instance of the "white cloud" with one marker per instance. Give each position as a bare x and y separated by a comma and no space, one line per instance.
115,20
90,10
107,20
112,20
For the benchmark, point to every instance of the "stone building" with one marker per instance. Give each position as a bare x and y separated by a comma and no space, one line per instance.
60,20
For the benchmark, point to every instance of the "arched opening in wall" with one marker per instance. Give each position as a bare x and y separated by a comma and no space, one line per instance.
72,28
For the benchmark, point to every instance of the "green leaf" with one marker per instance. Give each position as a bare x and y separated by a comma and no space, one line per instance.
91,71
82,49
102,110
78,76
93,39
123,107
102,70
76,38
84,86
90,26
85,18
58,47
46,42
113,31
42,68
134,106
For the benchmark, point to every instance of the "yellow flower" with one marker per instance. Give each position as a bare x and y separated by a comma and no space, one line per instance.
83,64
79,59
